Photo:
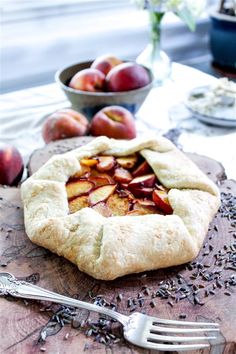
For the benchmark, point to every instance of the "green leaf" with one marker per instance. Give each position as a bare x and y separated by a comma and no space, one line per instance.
186,16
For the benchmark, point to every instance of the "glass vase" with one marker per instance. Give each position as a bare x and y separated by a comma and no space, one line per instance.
153,57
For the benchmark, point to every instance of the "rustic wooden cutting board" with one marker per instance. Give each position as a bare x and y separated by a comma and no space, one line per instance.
200,291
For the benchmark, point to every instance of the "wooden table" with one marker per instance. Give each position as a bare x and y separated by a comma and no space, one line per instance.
201,291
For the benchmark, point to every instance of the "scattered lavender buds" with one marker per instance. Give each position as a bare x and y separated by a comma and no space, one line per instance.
214,271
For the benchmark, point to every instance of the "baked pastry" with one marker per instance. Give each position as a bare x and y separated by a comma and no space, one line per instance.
107,246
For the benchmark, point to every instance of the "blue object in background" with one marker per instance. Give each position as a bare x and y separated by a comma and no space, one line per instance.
223,39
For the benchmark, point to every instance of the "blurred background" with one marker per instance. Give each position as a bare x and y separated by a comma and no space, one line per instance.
39,37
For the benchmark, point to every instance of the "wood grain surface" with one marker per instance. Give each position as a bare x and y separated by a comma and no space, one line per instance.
23,324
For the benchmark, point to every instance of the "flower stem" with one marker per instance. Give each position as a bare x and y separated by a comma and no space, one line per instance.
155,19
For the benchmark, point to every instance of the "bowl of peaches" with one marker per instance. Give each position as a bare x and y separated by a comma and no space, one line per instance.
106,81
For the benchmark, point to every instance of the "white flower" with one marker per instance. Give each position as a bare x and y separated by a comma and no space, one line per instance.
187,10
196,6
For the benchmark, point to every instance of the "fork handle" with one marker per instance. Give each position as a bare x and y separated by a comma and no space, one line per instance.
17,288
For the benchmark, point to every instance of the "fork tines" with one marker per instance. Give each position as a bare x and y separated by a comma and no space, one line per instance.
183,323
159,329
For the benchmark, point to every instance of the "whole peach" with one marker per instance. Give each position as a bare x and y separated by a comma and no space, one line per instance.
127,76
11,165
105,63
114,122
63,124
90,79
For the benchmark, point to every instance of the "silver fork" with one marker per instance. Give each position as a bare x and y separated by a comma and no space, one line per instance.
139,329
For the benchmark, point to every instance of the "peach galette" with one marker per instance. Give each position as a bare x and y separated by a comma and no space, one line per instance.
117,186
115,207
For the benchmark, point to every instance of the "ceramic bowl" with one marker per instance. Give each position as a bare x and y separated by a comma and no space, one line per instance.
222,39
89,103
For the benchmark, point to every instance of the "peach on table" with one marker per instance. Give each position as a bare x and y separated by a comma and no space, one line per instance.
66,123
11,165
114,122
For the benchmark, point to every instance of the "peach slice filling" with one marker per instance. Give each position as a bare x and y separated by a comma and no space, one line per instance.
117,186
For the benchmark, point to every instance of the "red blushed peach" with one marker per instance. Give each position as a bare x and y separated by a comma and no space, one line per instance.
114,122
127,76
11,165
146,181
161,200
105,63
142,169
92,80
63,124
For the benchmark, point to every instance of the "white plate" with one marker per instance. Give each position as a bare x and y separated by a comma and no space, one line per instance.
221,122
221,115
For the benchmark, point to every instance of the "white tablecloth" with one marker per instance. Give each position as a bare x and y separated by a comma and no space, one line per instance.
23,112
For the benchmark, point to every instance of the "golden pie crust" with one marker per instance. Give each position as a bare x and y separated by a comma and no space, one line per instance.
107,248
